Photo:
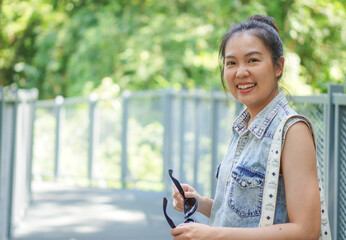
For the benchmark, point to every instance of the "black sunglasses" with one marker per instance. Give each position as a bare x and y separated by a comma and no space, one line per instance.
190,204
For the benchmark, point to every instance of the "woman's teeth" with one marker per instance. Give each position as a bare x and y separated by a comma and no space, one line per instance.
245,86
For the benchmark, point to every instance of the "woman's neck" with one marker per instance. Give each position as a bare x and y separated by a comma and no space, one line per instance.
254,111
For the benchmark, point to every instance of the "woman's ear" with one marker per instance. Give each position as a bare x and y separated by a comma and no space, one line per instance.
279,66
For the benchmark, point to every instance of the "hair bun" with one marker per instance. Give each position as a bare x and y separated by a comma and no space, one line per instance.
267,20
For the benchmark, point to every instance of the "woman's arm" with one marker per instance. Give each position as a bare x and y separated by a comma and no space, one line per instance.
299,167
302,198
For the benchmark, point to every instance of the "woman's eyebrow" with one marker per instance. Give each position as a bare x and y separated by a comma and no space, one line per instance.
229,56
246,55
253,53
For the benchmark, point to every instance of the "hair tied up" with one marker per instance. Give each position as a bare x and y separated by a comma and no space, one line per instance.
267,20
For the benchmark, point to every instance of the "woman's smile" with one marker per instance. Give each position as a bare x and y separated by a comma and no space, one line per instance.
246,87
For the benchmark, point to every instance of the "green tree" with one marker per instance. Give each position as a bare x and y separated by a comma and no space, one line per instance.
68,47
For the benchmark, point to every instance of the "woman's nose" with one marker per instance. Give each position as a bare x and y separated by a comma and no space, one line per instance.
242,72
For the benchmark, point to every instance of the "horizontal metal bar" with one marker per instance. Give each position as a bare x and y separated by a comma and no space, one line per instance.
142,94
28,95
203,95
339,99
66,101
313,99
177,93
77,100
45,103
147,93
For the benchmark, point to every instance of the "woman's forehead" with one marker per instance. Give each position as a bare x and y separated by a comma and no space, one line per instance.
244,43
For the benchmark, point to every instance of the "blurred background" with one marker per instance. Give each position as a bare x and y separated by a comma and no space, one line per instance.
98,99
67,47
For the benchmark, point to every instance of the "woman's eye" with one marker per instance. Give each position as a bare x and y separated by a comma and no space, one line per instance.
253,60
230,63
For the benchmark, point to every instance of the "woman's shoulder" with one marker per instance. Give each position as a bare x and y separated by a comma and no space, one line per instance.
296,123
287,111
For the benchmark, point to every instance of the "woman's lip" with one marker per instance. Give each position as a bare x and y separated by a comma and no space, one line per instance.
248,89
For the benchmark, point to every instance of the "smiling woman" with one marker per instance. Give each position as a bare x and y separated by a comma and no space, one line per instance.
252,63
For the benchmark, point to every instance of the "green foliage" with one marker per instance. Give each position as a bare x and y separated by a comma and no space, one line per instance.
68,47
317,31
145,162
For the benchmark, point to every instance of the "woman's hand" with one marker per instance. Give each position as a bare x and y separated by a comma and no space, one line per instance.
192,231
204,204
178,199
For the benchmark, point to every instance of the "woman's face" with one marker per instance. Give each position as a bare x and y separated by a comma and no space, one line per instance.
249,71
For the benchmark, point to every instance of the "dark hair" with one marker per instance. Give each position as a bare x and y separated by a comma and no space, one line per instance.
261,26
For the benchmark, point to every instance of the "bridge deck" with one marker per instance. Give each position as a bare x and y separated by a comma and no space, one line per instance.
63,212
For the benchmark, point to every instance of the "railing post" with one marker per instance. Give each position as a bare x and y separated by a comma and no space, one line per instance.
31,142
182,136
332,163
167,136
3,226
2,98
340,162
59,100
196,139
326,153
124,134
12,164
92,107
214,137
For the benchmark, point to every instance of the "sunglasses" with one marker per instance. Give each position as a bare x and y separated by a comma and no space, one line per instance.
190,204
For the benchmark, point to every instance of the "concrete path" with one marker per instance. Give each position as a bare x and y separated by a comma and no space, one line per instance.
60,212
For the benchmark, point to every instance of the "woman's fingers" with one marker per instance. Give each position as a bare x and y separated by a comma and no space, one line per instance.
178,200
191,195
177,231
187,188
177,206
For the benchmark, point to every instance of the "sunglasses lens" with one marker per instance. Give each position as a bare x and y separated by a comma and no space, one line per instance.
190,206
189,220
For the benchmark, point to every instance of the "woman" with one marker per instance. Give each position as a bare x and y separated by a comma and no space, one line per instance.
252,64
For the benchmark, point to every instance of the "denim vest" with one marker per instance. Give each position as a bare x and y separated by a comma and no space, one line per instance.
241,174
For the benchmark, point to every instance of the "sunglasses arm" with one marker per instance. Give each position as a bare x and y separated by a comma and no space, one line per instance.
176,183
169,220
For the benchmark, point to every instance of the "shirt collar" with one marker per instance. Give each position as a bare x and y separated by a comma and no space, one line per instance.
263,118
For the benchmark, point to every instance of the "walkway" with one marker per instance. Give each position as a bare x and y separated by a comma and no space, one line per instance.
61,212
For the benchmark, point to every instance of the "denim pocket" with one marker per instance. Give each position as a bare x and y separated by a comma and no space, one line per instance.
246,192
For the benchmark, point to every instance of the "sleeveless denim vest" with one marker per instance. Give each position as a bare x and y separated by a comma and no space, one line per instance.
241,174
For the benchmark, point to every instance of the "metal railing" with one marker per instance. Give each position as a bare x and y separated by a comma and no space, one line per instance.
16,125
328,115
130,141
